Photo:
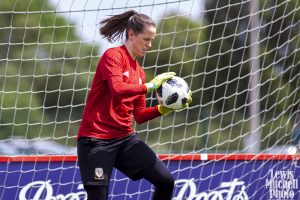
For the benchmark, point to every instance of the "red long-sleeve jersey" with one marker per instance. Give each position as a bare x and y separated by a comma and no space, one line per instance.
117,94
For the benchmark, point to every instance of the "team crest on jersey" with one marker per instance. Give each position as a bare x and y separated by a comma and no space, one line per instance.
99,174
140,81
126,73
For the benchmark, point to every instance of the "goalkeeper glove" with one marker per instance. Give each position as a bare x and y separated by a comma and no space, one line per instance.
189,100
166,111
158,81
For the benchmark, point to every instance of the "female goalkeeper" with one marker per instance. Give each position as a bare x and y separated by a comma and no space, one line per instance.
106,138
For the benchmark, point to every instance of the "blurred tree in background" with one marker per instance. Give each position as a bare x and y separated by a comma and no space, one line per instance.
228,63
44,70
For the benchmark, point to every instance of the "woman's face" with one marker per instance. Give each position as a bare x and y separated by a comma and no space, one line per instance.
141,42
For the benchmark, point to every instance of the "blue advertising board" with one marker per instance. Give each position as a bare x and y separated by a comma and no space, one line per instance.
195,179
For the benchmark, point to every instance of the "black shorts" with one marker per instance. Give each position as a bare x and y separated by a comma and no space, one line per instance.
97,157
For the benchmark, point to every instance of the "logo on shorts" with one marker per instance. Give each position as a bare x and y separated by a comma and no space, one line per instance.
99,175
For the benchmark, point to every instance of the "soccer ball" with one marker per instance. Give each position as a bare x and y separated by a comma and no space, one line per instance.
173,93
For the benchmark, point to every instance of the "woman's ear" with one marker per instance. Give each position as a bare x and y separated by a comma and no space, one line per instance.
130,34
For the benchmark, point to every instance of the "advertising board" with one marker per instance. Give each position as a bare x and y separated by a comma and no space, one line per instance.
219,178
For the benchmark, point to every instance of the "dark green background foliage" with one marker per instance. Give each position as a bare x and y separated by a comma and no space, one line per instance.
46,71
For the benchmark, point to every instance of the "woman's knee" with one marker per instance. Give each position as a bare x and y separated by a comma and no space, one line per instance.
169,181
164,190
166,181
158,175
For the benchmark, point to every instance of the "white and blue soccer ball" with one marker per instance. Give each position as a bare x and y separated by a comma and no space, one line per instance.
173,93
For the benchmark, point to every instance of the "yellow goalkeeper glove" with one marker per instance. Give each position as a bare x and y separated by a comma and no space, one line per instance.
166,111
158,81
188,101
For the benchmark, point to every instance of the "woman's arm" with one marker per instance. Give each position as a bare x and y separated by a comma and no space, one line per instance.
141,113
118,87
